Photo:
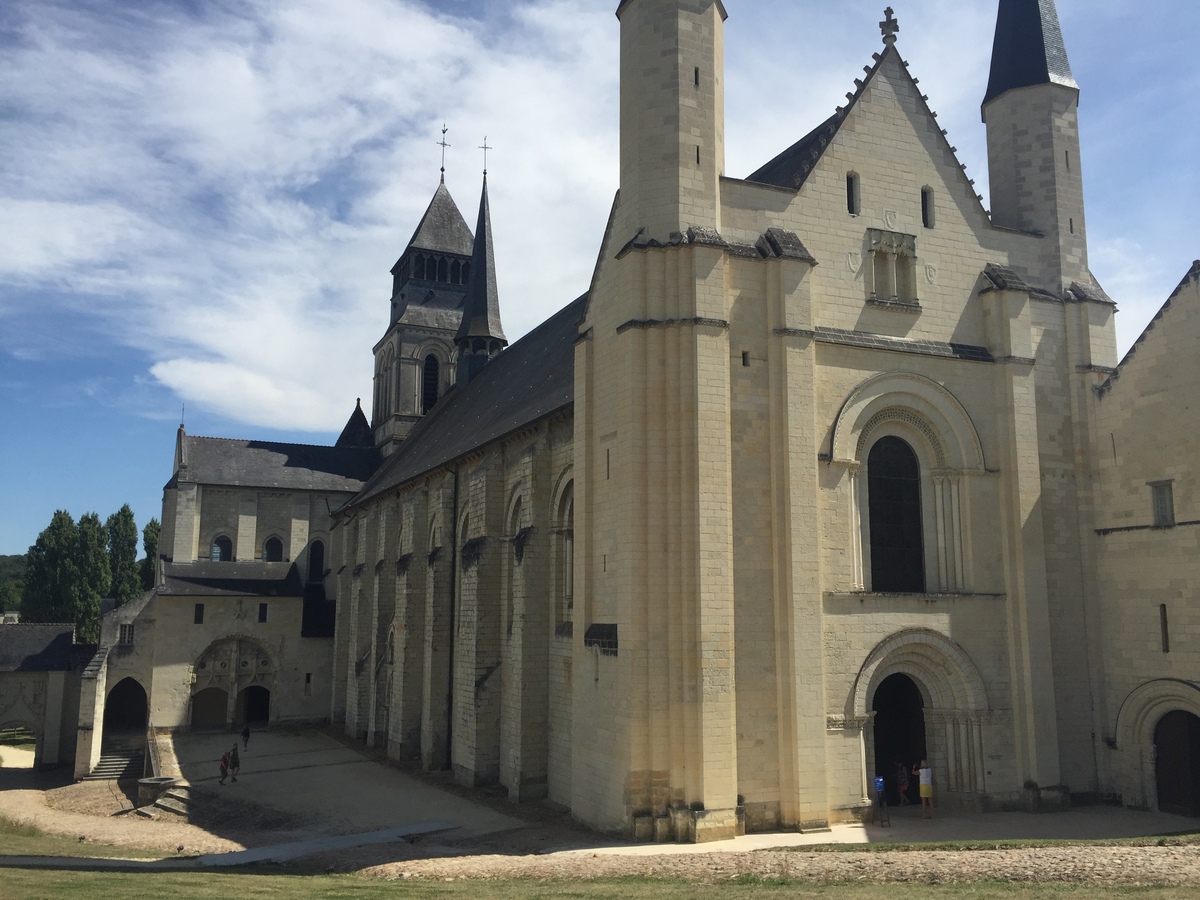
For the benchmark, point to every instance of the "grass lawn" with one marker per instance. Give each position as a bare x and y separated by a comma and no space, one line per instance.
20,738
17,884
22,840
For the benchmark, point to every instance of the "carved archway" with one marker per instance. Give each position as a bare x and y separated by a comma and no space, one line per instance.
232,665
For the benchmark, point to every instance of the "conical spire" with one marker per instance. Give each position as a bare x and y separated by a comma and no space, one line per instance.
357,432
1028,48
480,331
442,228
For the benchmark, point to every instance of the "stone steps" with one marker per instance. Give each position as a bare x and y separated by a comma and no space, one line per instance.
118,764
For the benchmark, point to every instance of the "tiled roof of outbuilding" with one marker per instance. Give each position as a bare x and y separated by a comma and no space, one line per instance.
36,648
231,579
530,380
265,464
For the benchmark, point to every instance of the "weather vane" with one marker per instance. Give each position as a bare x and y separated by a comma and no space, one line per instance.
442,143
485,148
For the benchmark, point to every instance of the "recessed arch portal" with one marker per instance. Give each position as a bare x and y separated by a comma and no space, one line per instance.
126,707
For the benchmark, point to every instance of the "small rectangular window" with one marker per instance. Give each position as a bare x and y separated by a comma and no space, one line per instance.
125,635
198,615
308,684
262,612
853,197
1162,624
697,76
927,207
1164,504
746,358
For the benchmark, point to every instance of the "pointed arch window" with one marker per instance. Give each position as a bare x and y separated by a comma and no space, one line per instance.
466,272
456,272
430,381
419,266
894,508
443,270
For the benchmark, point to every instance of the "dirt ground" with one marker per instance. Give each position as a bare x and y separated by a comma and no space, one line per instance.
543,843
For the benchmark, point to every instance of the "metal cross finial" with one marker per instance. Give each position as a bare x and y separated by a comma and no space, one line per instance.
889,26
442,143
485,148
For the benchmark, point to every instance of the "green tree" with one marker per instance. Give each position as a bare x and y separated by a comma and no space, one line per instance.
12,582
95,578
122,536
149,565
52,572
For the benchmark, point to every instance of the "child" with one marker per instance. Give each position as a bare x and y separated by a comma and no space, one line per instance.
224,767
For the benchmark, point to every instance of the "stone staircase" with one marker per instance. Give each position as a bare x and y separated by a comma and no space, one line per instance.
122,756
177,802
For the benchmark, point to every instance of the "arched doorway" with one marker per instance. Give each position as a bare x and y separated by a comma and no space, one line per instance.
208,709
253,706
18,752
899,731
126,709
1177,763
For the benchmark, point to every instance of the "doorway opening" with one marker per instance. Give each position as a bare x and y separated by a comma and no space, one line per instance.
899,733
126,709
1177,763
209,709
253,706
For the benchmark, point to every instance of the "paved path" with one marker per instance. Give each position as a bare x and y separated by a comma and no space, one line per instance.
312,774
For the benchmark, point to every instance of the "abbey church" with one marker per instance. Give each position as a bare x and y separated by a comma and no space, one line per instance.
830,468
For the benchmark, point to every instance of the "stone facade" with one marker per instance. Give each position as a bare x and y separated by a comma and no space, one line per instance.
859,482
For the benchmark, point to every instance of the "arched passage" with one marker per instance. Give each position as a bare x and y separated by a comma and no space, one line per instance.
126,708
953,706
899,731
208,709
1177,763
253,706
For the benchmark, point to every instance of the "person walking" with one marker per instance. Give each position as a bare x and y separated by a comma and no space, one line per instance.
235,762
925,774
224,767
246,737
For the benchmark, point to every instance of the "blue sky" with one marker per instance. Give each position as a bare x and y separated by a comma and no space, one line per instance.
200,201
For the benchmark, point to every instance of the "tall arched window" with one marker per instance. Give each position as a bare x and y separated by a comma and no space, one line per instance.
894,507
316,561
419,266
456,273
273,550
566,555
443,270
222,549
429,383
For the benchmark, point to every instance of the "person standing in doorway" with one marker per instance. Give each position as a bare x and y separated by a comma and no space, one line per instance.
902,783
925,774
246,737
235,762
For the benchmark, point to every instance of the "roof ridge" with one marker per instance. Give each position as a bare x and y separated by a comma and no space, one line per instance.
1193,274
204,437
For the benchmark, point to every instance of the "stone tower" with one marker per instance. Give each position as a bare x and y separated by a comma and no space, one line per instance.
1032,114
414,360
672,115
653,452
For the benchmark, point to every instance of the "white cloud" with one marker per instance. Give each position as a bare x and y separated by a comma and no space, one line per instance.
225,189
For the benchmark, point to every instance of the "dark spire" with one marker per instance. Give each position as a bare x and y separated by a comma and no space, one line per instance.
1028,48
480,336
357,432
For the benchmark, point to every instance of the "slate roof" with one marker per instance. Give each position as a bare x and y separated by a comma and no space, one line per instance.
442,229
357,432
204,578
265,464
36,648
791,167
1028,48
481,310
530,380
